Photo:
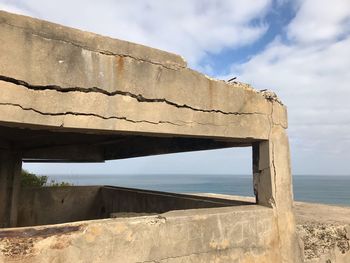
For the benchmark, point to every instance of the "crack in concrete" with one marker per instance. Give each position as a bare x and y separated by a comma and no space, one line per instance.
202,123
197,253
272,123
279,124
273,165
138,97
86,114
272,120
176,257
274,177
100,51
272,149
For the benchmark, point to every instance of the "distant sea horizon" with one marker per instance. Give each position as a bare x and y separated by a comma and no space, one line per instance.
326,189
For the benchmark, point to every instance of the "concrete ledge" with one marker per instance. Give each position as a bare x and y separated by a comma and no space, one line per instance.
230,234
89,41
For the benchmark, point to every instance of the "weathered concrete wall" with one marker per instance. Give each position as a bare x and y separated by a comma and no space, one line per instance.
73,79
324,230
10,170
63,80
117,199
273,187
245,234
53,205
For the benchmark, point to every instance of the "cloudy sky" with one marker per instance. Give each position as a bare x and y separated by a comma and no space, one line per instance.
299,49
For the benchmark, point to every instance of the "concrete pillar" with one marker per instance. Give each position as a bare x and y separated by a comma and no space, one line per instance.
262,176
273,188
10,171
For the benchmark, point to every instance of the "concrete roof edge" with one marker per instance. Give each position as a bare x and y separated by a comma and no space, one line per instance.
91,40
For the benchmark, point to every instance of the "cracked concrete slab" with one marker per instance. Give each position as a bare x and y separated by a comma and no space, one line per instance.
58,80
139,86
94,110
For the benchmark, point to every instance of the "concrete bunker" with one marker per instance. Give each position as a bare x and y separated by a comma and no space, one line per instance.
52,205
68,95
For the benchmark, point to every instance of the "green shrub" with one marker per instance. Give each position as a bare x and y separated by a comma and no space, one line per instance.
30,179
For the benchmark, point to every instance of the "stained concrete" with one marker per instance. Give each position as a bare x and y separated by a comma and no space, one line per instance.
62,83
10,170
147,96
323,230
240,234
54,205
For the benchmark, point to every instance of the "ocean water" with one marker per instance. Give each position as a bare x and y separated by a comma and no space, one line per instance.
310,188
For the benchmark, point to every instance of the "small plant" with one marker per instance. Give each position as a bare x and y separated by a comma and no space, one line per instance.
30,179
54,183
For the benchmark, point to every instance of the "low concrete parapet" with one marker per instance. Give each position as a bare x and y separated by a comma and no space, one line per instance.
246,234
53,205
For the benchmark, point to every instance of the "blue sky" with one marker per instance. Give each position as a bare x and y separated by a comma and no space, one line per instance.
276,19
300,49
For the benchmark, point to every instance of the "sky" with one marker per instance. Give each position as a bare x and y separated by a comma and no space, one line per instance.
299,49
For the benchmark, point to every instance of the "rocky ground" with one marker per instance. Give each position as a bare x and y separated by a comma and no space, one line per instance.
325,231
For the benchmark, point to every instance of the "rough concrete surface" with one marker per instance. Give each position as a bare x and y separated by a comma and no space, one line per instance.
54,205
75,86
239,234
229,234
323,229
57,80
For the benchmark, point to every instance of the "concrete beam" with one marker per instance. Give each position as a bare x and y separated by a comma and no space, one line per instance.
145,146
77,153
56,77
82,147
273,185
10,171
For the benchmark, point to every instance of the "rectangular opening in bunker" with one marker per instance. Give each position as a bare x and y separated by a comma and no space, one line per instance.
207,189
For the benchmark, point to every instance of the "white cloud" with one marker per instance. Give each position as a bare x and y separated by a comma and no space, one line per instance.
190,28
320,20
310,72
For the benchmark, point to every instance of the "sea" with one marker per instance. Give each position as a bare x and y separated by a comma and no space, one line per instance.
331,189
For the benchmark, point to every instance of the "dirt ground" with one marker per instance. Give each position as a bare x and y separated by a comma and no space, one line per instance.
324,229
